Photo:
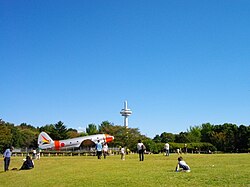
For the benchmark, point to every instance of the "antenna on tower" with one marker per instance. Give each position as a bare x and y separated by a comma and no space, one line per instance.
126,113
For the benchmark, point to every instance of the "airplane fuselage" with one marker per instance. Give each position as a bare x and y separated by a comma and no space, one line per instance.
72,143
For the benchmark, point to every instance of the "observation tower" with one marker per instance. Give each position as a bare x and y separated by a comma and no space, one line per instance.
126,113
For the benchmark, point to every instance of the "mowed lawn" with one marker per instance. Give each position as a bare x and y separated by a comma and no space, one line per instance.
156,170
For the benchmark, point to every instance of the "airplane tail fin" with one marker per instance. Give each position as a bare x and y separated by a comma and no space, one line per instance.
44,139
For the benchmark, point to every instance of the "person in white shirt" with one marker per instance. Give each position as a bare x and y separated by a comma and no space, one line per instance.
123,153
38,153
182,166
141,148
105,150
178,151
34,154
166,147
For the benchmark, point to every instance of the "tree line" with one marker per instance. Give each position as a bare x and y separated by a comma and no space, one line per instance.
226,137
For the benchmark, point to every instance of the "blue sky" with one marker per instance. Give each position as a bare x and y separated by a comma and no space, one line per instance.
178,63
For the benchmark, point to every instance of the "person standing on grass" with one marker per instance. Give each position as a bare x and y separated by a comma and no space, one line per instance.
123,153
166,148
98,149
105,150
182,166
34,154
7,154
141,148
185,148
38,153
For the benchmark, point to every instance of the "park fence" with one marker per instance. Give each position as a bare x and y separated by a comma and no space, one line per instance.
47,153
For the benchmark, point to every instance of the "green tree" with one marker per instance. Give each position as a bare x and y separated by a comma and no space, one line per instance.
17,140
26,126
218,137
106,127
29,138
243,138
92,129
123,136
48,129
61,131
82,134
194,134
182,137
132,137
72,133
206,132
5,136
56,131
230,131
157,139
167,137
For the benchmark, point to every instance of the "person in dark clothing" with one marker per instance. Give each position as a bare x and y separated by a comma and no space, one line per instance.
141,148
27,164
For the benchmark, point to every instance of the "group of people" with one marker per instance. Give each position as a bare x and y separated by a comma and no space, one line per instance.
178,150
181,165
27,164
101,149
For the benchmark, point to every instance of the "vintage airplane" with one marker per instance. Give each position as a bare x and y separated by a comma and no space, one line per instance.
45,141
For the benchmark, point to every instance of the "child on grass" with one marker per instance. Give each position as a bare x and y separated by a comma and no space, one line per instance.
182,166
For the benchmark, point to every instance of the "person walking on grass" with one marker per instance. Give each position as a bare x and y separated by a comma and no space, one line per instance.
98,149
141,148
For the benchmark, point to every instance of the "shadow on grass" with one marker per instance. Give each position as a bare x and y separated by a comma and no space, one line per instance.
11,170
171,171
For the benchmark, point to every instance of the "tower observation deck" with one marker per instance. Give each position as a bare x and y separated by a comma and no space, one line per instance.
126,113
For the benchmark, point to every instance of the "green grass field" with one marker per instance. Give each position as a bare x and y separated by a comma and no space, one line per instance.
156,170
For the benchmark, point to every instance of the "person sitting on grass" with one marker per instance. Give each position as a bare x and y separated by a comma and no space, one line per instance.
27,164
182,166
